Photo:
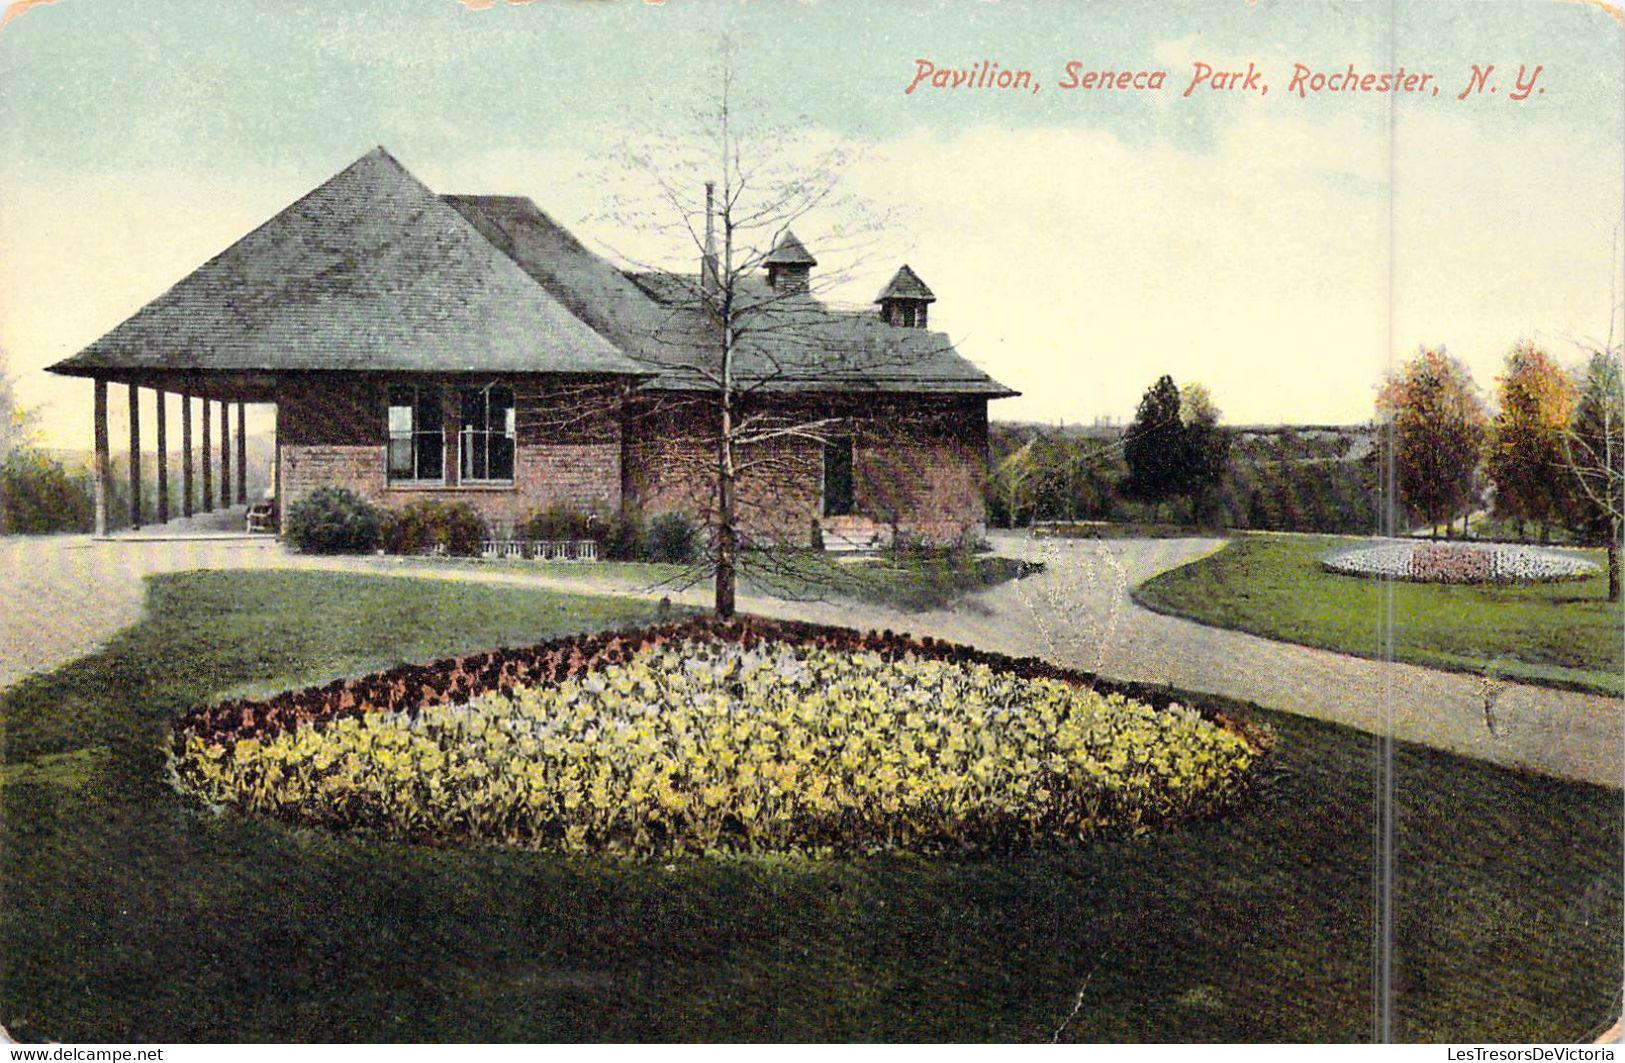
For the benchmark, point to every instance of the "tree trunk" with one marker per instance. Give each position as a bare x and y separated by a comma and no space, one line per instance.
727,538
1613,568
727,558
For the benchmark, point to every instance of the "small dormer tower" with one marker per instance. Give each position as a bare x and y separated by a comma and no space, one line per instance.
789,265
904,301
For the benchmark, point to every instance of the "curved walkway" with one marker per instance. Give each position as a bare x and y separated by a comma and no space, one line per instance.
68,594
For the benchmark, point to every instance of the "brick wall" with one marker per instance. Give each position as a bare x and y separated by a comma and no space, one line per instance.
917,462
333,430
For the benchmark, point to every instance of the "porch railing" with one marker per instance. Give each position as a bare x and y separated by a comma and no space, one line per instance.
541,549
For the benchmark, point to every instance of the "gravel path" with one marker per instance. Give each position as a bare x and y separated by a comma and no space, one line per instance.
66,595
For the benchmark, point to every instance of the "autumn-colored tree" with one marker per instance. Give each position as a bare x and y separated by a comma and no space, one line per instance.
1594,448
1435,421
1526,459
1207,446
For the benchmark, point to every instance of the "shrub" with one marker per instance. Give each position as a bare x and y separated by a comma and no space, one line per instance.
673,539
625,537
333,520
455,527
704,745
559,523
38,495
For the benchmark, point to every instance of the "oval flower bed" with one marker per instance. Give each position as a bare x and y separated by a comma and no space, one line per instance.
705,737
1433,562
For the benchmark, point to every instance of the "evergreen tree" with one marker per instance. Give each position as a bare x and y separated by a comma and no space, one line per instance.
1154,446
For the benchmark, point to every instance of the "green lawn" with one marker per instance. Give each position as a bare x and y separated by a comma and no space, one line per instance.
130,914
914,584
1557,634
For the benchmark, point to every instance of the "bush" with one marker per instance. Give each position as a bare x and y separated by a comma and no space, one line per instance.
626,538
333,520
560,523
673,539
704,745
39,496
455,527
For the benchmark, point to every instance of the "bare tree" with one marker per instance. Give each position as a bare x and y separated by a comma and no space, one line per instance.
1594,450
766,373
16,422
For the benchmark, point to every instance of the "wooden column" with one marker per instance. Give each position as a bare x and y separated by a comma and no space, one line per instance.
135,456
101,470
207,461
162,442
242,454
186,455
225,454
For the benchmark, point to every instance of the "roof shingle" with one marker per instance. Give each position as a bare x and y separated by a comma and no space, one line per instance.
369,271
373,271
789,252
906,284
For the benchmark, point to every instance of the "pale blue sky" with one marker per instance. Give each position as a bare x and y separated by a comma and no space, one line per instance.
1081,243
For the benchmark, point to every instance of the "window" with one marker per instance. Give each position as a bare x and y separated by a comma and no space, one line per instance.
417,443
838,501
487,437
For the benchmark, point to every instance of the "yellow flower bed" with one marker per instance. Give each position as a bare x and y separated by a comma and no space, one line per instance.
702,747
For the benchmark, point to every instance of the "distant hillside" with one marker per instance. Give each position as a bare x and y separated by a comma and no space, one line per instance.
1280,477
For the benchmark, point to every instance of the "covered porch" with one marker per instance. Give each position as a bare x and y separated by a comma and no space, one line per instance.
210,409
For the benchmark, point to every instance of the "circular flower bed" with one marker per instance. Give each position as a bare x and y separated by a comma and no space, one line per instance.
1434,562
693,743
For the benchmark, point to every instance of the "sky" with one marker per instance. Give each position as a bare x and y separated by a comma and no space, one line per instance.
1283,250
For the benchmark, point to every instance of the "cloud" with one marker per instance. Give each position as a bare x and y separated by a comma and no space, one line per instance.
1072,264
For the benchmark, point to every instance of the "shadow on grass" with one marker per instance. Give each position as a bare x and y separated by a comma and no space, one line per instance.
130,914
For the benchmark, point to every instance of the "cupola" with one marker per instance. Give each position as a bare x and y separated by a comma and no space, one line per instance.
904,301
789,265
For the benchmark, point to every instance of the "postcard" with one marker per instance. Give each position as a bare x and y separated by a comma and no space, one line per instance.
700,521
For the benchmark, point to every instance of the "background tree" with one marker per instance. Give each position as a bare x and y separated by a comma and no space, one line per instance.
15,422
1010,487
1174,447
38,494
1207,446
1434,420
1594,453
1526,459
1154,445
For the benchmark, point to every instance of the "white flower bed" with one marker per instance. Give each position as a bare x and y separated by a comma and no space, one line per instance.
1435,562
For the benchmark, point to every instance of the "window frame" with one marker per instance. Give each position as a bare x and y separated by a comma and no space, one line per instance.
470,435
414,435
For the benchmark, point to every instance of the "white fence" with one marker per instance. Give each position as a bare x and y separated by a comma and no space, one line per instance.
541,549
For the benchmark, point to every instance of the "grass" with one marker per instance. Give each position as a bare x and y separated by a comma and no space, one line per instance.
1126,530
912,583
917,583
132,915
1556,634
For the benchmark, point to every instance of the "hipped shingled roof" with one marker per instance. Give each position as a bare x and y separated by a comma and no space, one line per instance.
373,271
789,252
906,284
